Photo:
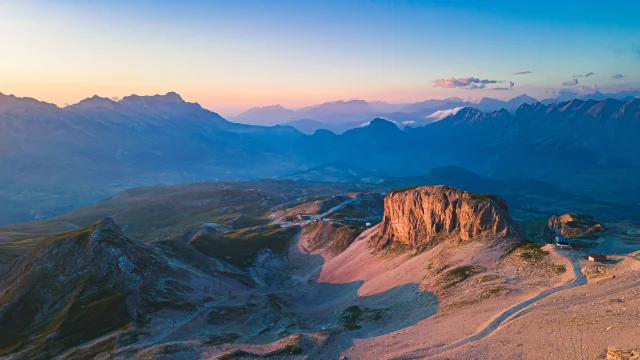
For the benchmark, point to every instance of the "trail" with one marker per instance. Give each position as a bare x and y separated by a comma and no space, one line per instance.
513,311
320,216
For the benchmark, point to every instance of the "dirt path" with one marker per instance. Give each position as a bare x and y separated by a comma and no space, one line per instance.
511,313
320,216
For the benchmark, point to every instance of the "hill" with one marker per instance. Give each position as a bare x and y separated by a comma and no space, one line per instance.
79,286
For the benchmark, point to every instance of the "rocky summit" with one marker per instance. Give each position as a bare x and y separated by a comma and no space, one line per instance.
420,216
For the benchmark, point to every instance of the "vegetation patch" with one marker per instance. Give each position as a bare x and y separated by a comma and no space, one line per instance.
529,252
483,196
351,318
456,276
559,270
442,268
94,317
495,292
242,246
408,188
490,278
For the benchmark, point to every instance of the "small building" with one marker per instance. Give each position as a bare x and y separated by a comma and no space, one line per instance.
596,257
368,224
562,242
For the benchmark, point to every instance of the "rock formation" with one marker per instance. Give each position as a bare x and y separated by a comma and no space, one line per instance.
418,216
617,354
573,225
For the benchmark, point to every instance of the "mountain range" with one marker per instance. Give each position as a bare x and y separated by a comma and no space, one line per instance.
53,159
339,116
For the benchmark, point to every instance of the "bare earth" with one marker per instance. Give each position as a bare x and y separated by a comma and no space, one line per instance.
573,317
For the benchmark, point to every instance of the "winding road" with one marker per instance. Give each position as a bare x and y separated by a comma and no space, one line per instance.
510,313
320,216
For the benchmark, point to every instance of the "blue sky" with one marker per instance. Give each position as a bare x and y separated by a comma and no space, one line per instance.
231,55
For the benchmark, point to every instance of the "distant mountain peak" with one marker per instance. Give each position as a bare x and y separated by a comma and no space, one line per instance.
380,123
173,96
94,102
524,98
276,106
350,102
12,101
170,97
266,115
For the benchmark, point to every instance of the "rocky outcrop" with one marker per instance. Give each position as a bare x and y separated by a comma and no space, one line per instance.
574,225
77,286
422,215
617,354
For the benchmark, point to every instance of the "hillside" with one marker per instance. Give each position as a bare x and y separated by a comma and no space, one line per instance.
78,286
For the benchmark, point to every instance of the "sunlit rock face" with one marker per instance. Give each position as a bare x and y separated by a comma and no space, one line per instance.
418,216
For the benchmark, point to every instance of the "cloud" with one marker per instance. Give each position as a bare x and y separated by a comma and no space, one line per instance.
522,73
408,122
617,76
585,75
511,85
573,82
574,92
467,82
441,114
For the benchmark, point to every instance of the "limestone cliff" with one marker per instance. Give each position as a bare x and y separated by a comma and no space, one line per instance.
418,216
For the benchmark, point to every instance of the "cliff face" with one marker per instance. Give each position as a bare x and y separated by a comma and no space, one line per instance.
416,217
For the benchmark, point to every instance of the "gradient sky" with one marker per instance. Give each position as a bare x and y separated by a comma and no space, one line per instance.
231,55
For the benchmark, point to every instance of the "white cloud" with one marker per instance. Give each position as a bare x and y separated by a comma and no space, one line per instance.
408,122
441,114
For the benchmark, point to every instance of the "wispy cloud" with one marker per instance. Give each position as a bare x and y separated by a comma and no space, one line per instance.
573,82
585,75
467,82
441,114
408,122
574,92
617,76
511,85
522,73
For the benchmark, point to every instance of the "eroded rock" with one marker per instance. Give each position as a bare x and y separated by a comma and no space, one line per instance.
421,215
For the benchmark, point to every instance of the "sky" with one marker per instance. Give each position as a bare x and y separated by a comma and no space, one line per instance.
232,55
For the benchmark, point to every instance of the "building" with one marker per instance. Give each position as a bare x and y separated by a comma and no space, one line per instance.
562,242
596,257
